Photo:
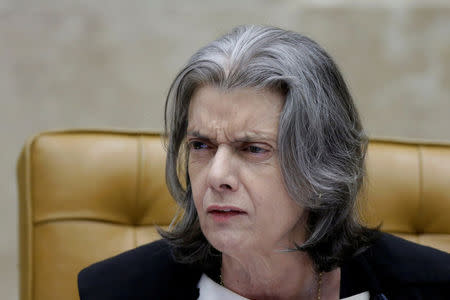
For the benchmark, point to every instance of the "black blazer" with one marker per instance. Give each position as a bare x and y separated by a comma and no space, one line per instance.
392,268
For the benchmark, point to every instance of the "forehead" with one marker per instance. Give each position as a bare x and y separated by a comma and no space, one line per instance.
235,113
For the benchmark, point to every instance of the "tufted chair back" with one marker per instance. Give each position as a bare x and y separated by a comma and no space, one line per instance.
88,195
408,190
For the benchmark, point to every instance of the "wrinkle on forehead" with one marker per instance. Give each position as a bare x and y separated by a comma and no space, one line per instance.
239,114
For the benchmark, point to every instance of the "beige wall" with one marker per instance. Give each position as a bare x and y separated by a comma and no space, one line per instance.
67,64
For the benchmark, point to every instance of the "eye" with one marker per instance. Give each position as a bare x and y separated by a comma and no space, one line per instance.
256,152
197,145
255,149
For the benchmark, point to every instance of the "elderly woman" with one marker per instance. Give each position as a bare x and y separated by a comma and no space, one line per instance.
266,158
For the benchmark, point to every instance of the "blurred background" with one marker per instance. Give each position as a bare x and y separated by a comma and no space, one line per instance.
109,63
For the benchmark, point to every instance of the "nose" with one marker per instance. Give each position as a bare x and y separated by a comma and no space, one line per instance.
222,173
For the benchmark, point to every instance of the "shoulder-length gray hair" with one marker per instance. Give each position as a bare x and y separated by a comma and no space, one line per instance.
320,138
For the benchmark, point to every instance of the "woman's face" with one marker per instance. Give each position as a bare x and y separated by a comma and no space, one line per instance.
235,174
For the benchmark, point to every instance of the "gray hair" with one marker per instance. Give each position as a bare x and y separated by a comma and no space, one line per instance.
321,142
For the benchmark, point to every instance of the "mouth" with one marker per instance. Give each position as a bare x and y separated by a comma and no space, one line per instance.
224,213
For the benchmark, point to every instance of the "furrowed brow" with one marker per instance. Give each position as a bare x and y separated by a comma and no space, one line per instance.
248,137
254,137
196,133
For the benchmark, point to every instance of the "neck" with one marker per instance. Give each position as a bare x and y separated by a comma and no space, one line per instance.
272,276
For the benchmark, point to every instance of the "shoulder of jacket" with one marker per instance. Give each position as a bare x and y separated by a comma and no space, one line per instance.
153,254
139,273
398,261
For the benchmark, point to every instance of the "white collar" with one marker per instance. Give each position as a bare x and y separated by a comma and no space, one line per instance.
210,290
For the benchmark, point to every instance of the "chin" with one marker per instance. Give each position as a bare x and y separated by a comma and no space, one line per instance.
227,244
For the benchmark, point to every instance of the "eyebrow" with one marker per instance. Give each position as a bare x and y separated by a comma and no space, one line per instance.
247,137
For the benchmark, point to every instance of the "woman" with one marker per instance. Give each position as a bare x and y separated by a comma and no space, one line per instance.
262,125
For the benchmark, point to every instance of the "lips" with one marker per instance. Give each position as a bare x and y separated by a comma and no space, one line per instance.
224,213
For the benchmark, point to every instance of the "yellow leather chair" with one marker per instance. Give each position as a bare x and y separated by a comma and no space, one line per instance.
88,195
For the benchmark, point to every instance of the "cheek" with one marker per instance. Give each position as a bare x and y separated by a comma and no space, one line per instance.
273,205
280,208
198,185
